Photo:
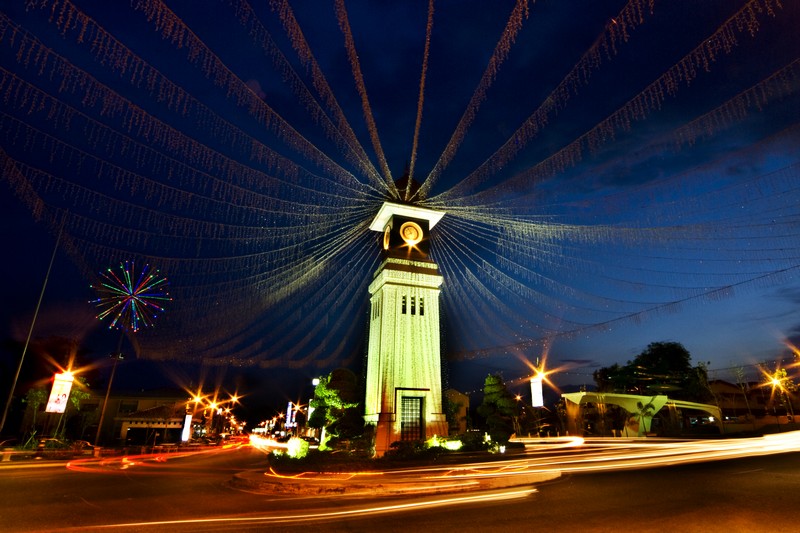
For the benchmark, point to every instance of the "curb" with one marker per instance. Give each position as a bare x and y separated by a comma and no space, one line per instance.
380,483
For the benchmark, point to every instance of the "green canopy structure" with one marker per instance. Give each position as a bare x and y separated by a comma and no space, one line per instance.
641,409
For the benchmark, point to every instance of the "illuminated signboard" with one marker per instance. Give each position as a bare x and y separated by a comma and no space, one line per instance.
187,428
62,385
537,399
290,416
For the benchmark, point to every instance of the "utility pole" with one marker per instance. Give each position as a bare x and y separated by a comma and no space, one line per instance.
117,357
33,322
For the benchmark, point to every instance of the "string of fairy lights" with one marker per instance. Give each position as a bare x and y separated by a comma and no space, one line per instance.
153,143
680,75
751,375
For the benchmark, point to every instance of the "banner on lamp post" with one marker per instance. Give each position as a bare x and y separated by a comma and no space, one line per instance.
186,434
62,385
537,398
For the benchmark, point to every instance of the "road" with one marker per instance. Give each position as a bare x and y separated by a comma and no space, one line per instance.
754,495
193,493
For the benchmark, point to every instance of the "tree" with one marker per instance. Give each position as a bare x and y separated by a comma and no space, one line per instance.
661,368
34,398
499,408
740,381
336,409
614,378
451,410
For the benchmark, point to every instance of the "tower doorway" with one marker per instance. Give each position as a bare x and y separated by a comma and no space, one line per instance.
411,424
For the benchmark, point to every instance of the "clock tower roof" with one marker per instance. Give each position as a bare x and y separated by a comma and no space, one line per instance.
407,191
391,209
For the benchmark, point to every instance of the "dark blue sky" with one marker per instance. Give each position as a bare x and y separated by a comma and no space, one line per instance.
620,177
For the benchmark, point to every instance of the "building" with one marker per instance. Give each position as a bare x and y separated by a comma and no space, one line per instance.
459,403
162,424
122,412
754,406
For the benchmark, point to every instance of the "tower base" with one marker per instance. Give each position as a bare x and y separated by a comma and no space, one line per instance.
389,430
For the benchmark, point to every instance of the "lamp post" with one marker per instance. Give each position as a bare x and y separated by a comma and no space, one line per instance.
117,358
775,382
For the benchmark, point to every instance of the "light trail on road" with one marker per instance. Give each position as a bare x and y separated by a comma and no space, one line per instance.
506,479
127,463
310,516
576,454
573,455
598,454
605,454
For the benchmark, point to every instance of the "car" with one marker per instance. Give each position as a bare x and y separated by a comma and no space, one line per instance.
9,443
50,443
83,446
50,448
313,443
57,448
8,448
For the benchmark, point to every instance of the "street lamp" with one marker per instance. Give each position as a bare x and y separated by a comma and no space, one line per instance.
214,407
781,383
537,392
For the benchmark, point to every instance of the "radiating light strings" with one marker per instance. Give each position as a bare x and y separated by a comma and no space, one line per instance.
150,143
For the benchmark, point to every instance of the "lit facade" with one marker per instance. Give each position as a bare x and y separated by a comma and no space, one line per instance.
404,382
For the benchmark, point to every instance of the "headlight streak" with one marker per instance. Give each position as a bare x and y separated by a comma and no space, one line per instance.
511,494
623,455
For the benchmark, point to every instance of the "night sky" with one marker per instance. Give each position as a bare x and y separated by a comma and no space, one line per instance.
612,175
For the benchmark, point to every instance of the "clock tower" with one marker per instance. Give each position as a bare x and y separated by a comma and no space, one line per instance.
404,378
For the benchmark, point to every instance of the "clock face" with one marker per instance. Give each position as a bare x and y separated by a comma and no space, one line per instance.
387,232
411,233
